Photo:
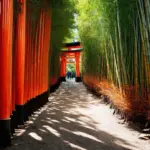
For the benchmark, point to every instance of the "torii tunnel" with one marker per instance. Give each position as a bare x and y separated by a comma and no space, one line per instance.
73,51
24,62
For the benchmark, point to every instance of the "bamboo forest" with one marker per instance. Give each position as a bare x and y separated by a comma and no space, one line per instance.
75,74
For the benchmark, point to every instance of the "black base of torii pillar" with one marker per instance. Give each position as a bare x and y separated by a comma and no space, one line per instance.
63,79
78,79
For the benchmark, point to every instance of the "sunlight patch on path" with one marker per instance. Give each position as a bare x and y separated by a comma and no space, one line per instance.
35,136
53,131
74,146
87,136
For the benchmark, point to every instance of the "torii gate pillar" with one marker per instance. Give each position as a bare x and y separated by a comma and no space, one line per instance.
63,68
77,58
20,63
6,23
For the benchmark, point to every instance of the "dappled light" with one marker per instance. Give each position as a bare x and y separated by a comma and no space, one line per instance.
35,136
19,132
43,130
87,136
53,131
75,122
74,146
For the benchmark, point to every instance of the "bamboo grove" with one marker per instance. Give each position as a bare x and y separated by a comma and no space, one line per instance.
116,39
29,57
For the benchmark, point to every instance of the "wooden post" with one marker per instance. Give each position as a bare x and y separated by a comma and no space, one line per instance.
63,68
6,15
20,61
77,58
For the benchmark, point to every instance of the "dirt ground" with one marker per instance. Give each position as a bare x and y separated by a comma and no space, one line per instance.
75,119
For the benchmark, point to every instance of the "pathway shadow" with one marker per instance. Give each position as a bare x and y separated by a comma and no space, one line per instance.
59,127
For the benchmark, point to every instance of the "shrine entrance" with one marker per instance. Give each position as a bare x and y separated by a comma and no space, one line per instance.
71,54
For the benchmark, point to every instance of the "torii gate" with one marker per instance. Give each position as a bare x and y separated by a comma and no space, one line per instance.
73,51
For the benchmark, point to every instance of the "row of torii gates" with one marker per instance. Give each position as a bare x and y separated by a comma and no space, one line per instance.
25,56
73,51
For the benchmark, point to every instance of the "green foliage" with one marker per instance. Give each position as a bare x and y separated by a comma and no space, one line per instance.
62,24
114,42
70,68
73,36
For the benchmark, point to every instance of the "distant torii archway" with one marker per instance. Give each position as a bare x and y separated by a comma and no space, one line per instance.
73,51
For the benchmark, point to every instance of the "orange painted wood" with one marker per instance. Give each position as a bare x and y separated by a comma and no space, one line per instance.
32,26
63,59
20,53
77,57
44,52
13,82
11,48
27,52
38,57
5,58
49,49
36,34
29,55
41,52
48,28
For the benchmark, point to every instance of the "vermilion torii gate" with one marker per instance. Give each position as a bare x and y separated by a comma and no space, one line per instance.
73,51
24,59
25,56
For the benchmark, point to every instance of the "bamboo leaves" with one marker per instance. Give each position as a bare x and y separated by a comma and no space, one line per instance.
62,22
114,31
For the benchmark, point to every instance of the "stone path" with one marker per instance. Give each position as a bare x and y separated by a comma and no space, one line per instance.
74,119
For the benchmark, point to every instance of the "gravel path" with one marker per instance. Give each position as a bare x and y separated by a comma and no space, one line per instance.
74,119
